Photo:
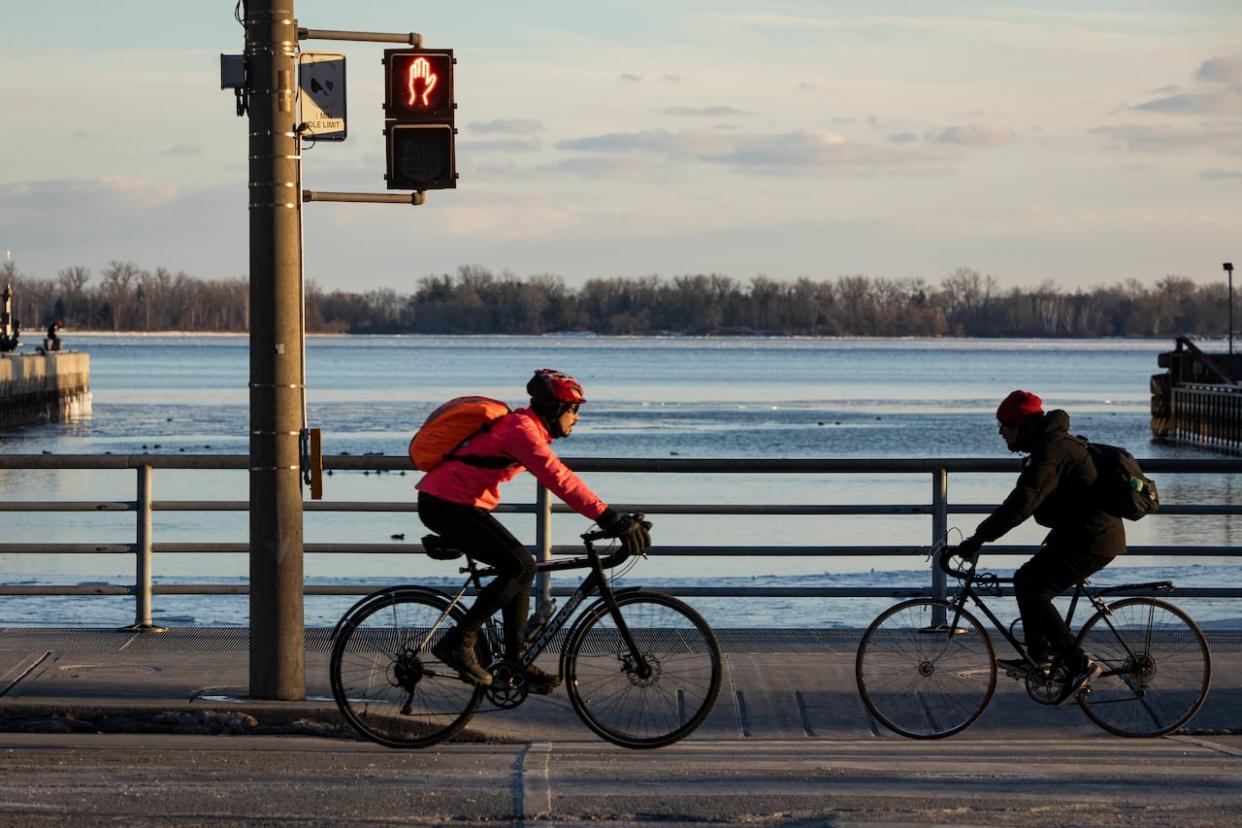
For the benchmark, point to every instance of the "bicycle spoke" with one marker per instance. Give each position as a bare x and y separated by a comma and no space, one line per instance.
386,682
921,680
651,696
1157,668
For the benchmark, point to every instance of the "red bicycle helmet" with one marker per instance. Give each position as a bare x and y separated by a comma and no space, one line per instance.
555,386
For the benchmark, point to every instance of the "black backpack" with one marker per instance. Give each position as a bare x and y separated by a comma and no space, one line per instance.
1121,488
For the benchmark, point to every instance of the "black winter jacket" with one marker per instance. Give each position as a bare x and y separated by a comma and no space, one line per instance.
1053,486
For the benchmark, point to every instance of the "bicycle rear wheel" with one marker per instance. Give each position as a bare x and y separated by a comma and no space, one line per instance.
385,680
921,677
1157,668
657,699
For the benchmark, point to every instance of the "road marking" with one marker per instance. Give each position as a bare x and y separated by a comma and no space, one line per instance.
742,718
532,783
1204,743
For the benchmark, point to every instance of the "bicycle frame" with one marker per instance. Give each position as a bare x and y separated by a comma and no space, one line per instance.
595,582
992,583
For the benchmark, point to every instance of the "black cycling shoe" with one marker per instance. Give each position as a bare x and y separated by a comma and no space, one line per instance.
1018,667
1078,679
540,681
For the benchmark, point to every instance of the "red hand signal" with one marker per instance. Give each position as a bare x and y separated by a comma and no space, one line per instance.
420,69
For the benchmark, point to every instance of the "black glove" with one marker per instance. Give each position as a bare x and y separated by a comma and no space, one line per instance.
968,550
633,531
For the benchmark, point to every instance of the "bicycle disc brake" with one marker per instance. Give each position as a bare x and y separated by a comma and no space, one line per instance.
508,688
645,674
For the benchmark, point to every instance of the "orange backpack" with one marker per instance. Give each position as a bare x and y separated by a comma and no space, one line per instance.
453,424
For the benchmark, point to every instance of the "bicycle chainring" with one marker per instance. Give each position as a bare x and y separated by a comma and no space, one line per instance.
508,688
1043,687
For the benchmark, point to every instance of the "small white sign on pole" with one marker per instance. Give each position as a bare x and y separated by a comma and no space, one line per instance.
321,77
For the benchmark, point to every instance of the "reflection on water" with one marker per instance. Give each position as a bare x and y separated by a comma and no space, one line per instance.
651,397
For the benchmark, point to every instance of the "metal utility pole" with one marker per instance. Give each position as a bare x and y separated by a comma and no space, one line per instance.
1228,266
277,659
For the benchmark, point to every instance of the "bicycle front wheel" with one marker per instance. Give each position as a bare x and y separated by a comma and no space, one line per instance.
920,675
1157,668
653,697
385,680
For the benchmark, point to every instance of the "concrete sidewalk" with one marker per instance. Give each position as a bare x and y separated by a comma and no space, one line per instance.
778,686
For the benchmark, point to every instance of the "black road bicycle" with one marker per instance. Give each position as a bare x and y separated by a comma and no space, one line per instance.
642,669
926,668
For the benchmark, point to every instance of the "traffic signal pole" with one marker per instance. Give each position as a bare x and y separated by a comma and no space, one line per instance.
265,80
277,656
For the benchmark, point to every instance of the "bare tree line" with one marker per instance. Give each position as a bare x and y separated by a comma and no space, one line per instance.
474,300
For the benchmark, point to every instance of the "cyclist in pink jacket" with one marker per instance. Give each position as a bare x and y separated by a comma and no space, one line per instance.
455,500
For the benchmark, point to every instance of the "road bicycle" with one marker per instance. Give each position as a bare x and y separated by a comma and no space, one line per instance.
926,667
642,669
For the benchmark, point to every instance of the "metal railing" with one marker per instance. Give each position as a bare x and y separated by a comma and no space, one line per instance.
937,508
1207,414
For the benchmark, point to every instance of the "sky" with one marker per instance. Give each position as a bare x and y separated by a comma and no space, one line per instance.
1083,143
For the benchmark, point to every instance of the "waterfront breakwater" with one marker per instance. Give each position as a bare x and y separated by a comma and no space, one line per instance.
50,387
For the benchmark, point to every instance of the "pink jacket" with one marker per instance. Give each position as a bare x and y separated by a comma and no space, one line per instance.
522,436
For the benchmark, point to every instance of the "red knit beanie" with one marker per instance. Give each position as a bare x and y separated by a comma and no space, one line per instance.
1019,407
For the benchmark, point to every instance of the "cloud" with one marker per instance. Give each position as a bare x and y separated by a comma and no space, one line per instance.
1221,175
508,126
602,167
184,150
502,145
702,111
1223,98
1223,102
1221,70
1166,138
101,193
776,152
974,135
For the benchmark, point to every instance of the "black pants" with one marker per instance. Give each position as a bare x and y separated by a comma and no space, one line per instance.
1053,570
479,534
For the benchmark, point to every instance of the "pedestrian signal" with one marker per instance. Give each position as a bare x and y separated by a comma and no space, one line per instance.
419,112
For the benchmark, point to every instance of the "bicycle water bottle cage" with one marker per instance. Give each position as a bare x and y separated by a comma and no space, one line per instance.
436,547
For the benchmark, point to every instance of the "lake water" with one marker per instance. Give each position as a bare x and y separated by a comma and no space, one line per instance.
650,397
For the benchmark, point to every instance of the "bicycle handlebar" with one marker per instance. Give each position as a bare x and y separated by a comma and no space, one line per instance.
944,560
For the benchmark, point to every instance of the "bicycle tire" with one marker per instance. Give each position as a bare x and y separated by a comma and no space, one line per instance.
386,682
1157,668
607,690
920,679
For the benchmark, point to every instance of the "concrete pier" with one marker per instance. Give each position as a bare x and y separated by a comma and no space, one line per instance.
51,387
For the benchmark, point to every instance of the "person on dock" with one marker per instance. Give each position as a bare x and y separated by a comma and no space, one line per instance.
456,498
53,337
1054,487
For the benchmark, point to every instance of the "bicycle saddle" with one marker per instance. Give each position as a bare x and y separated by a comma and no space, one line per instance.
438,548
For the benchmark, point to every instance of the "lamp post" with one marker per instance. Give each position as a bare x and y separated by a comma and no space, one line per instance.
1228,266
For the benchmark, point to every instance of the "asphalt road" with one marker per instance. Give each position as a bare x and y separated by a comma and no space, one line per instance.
85,779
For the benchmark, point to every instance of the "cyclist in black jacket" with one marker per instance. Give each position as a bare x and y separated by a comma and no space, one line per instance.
1053,486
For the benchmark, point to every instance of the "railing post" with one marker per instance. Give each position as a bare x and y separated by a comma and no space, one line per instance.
142,553
543,550
940,529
